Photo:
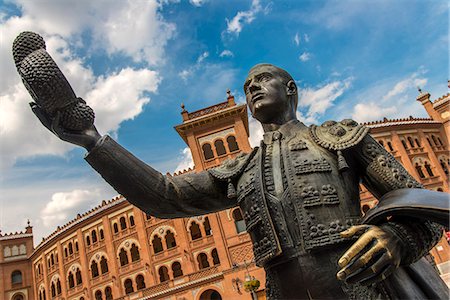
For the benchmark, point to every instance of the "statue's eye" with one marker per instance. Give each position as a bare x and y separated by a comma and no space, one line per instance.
264,78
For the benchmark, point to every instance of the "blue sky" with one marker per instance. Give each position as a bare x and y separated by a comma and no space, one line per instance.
135,62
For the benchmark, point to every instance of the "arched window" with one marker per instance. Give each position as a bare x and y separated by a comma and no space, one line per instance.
65,252
104,265
232,143
207,226
128,286
71,280
419,170
220,148
16,277
365,208
76,247
428,168
207,151
94,269
404,144
440,141
202,260
94,236
88,240
131,221
102,235
239,221
434,140
417,143
108,293
134,253
18,297
58,287
140,282
429,142
123,257
390,146
163,274
115,228
70,248
157,244
98,295
170,240
381,143
440,190
123,223
78,277
52,259
53,289
215,257
411,142
176,270
444,166
195,231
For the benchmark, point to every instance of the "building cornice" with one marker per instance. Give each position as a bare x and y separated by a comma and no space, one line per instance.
78,220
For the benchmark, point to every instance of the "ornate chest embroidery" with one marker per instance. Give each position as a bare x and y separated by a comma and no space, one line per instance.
312,197
311,166
318,235
297,145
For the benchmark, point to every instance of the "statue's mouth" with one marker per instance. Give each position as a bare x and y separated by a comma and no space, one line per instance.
257,97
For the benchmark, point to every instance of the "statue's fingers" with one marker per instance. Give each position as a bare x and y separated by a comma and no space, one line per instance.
355,249
385,272
372,273
359,263
355,230
43,117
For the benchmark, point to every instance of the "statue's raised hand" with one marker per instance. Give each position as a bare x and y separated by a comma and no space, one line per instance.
373,257
86,138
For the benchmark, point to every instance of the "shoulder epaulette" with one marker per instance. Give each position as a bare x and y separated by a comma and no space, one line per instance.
231,169
338,136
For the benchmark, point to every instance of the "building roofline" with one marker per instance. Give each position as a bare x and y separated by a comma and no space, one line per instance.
402,121
79,219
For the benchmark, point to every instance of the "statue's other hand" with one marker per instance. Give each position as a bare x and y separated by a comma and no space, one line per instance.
85,138
373,257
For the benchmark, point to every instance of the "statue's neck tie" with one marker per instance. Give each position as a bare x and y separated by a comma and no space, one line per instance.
276,164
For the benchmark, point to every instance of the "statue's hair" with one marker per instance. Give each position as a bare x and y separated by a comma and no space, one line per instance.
283,73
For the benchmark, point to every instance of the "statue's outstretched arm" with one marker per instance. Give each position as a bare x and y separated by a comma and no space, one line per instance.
400,241
70,119
161,196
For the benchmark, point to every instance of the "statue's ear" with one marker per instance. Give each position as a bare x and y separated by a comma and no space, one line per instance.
291,88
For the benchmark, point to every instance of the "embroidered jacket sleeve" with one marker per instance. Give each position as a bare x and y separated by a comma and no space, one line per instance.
161,196
382,173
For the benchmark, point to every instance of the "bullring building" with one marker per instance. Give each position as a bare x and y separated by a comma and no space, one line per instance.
115,251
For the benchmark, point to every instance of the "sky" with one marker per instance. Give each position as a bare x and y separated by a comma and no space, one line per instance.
135,62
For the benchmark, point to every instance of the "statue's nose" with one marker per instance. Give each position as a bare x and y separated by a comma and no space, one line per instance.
253,87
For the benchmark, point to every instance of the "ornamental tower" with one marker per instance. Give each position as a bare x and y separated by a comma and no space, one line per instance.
215,133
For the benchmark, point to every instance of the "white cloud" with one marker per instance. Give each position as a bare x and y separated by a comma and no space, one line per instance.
226,53
297,39
236,24
113,103
202,57
305,56
65,205
198,3
316,101
133,28
306,37
186,160
412,82
371,111
21,133
256,132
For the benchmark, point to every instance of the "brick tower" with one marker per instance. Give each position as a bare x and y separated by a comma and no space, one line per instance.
215,133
